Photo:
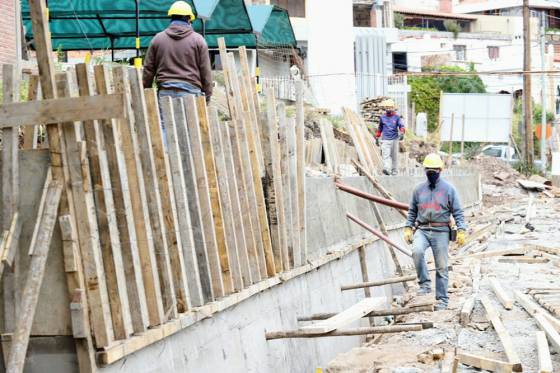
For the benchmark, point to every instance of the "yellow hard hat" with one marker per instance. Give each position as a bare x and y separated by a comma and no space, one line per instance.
389,103
181,8
433,161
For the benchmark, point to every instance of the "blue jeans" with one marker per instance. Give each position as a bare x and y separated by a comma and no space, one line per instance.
439,242
162,92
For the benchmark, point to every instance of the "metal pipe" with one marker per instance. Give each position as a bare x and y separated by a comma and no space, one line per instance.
378,234
371,197
389,312
357,331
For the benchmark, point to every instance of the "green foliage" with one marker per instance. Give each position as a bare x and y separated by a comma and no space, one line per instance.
425,90
452,26
399,20
537,113
416,28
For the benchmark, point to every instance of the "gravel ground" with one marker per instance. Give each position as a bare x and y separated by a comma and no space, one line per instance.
392,353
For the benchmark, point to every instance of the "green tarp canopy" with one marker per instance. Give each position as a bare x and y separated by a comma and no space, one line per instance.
111,24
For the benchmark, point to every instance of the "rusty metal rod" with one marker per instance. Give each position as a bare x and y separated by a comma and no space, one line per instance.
371,197
378,234
389,312
347,332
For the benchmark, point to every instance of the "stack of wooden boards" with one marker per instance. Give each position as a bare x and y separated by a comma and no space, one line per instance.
372,109
164,208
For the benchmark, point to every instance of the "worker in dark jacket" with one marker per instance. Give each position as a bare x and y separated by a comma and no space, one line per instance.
391,130
178,57
433,204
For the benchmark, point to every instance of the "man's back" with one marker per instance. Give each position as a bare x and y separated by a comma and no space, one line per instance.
179,54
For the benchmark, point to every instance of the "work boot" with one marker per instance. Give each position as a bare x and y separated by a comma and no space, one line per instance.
440,306
386,172
423,291
394,172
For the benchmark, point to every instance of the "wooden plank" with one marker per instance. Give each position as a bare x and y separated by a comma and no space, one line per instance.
153,192
253,179
9,186
126,135
545,362
522,259
326,129
219,286
182,203
248,205
273,184
116,162
244,236
234,109
29,133
61,110
503,334
349,315
294,198
485,363
286,185
163,174
106,216
10,244
225,199
33,282
532,308
502,296
215,196
300,170
548,328
466,310
251,106
87,227
488,254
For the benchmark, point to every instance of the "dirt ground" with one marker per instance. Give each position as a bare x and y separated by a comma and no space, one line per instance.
506,207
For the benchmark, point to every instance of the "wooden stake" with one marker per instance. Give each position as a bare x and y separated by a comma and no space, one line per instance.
294,198
194,203
168,206
30,132
368,284
125,133
545,362
286,186
118,173
504,298
182,203
300,170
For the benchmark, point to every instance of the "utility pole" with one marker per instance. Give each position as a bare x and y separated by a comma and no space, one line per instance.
543,96
528,114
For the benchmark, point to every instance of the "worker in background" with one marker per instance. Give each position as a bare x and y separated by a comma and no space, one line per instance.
391,130
433,204
178,57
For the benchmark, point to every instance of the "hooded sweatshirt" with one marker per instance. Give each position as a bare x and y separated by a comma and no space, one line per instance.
179,54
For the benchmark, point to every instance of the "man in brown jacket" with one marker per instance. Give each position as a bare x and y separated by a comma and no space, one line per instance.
178,57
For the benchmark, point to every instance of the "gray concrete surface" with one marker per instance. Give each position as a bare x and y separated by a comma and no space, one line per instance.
233,340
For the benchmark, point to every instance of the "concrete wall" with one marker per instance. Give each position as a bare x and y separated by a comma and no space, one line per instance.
233,340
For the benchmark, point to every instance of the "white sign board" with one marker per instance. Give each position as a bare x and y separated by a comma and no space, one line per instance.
487,118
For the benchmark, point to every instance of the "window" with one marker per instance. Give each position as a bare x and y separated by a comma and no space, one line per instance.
460,52
295,8
493,52
493,152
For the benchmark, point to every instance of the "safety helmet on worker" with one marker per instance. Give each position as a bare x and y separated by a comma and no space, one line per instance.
388,104
433,160
181,8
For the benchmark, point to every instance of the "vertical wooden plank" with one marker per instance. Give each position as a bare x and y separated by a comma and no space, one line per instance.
106,217
163,174
112,134
30,131
273,182
225,199
193,199
88,233
9,192
287,188
30,295
219,286
255,188
300,169
126,134
233,108
247,204
242,222
182,203
293,180
215,198
153,193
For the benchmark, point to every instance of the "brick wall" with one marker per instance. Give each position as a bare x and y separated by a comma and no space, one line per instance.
8,31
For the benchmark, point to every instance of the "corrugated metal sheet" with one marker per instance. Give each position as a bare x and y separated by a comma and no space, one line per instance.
370,51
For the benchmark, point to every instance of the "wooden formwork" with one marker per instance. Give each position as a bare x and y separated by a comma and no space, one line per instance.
164,208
